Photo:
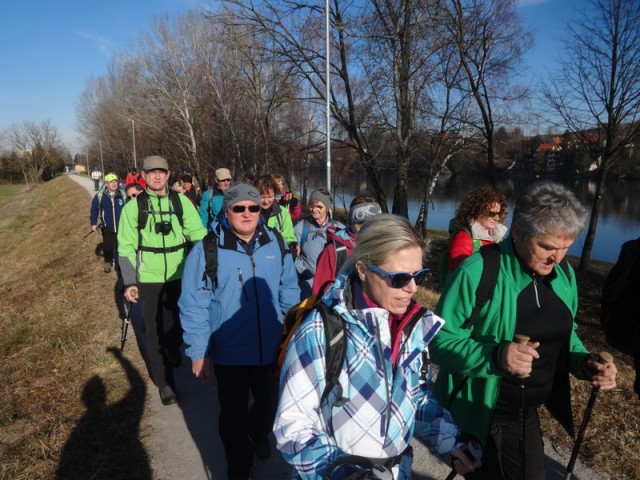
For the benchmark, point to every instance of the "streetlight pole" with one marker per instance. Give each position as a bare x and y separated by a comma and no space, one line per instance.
133,130
328,91
101,160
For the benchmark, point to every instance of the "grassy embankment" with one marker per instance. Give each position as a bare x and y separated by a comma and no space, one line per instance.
58,318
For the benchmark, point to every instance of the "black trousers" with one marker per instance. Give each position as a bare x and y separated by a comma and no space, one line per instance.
502,457
109,245
156,300
239,425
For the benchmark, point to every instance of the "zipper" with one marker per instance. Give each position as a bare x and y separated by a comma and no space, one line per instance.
255,288
384,427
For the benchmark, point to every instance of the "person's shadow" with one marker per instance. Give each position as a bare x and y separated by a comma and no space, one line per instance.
106,441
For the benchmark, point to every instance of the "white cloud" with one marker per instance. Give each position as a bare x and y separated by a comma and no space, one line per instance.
103,44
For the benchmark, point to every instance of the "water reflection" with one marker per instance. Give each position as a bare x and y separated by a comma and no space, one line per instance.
619,219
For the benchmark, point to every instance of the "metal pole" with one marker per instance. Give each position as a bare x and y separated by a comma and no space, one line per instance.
328,90
522,339
101,159
133,130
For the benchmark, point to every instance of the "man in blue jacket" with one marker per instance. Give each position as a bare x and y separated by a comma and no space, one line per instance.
233,323
105,214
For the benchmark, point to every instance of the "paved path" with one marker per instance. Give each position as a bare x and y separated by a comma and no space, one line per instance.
184,445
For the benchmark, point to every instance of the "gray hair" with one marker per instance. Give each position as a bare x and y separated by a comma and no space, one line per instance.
381,237
548,206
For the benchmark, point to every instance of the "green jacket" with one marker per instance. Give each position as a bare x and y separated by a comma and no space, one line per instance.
282,223
138,266
470,352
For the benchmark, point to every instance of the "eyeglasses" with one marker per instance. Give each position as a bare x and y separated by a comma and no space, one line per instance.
242,208
491,214
400,279
316,207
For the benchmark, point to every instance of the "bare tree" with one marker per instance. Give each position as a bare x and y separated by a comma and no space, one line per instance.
37,147
596,93
490,40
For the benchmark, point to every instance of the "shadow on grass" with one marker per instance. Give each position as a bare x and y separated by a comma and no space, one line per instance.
106,441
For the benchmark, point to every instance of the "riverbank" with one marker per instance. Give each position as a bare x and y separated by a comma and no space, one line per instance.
68,400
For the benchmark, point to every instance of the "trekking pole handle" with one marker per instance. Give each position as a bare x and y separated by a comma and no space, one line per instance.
523,340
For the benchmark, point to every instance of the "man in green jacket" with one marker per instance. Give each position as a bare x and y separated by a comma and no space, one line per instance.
482,368
153,236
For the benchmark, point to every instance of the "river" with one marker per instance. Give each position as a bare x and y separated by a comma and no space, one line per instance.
619,219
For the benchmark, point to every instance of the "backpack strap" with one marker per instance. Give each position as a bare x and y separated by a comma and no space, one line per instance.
490,268
210,247
341,254
488,279
143,217
305,232
336,347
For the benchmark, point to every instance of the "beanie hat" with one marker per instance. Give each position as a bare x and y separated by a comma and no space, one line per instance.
155,162
318,196
238,193
363,211
110,177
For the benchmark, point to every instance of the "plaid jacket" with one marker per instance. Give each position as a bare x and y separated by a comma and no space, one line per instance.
375,410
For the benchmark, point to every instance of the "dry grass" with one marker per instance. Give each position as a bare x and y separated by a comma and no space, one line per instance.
612,442
57,320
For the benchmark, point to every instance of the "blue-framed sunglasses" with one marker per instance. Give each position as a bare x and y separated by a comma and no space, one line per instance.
400,279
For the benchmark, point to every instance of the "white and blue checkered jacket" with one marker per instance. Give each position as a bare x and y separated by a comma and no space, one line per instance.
380,408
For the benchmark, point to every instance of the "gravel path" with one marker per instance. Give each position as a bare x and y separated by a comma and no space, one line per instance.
184,445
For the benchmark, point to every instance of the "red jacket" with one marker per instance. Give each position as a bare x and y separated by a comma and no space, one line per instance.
326,264
462,246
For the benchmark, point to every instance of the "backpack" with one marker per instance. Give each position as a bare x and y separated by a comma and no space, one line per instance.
210,247
336,342
143,217
443,265
619,314
489,278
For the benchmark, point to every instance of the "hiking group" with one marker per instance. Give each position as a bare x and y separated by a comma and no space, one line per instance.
353,359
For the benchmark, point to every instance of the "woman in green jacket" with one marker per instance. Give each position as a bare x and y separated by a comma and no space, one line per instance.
482,367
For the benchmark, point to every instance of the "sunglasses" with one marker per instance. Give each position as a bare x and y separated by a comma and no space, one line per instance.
400,279
242,208
133,195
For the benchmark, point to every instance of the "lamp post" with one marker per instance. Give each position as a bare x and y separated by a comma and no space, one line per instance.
101,160
328,91
133,130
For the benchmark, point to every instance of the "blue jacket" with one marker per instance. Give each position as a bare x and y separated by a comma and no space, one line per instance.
211,199
237,321
381,407
107,208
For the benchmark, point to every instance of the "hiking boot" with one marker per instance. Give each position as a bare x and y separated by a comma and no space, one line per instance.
262,450
107,267
174,356
167,395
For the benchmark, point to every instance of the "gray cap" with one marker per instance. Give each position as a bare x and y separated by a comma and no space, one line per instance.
238,193
154,162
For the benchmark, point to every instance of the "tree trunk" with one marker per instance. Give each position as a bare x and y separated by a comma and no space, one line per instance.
593,222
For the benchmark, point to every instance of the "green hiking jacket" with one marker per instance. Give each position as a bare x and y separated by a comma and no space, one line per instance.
470,352
283,224
138,266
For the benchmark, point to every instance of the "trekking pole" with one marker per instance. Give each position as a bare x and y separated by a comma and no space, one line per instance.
522,339
473,451
125,325
90,232
604,358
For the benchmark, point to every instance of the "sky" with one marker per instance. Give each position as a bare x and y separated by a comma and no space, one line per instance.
50,49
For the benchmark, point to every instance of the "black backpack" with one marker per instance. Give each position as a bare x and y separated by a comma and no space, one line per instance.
619,315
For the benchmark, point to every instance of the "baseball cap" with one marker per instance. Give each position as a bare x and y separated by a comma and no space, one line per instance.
223,174
110,177
155,162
